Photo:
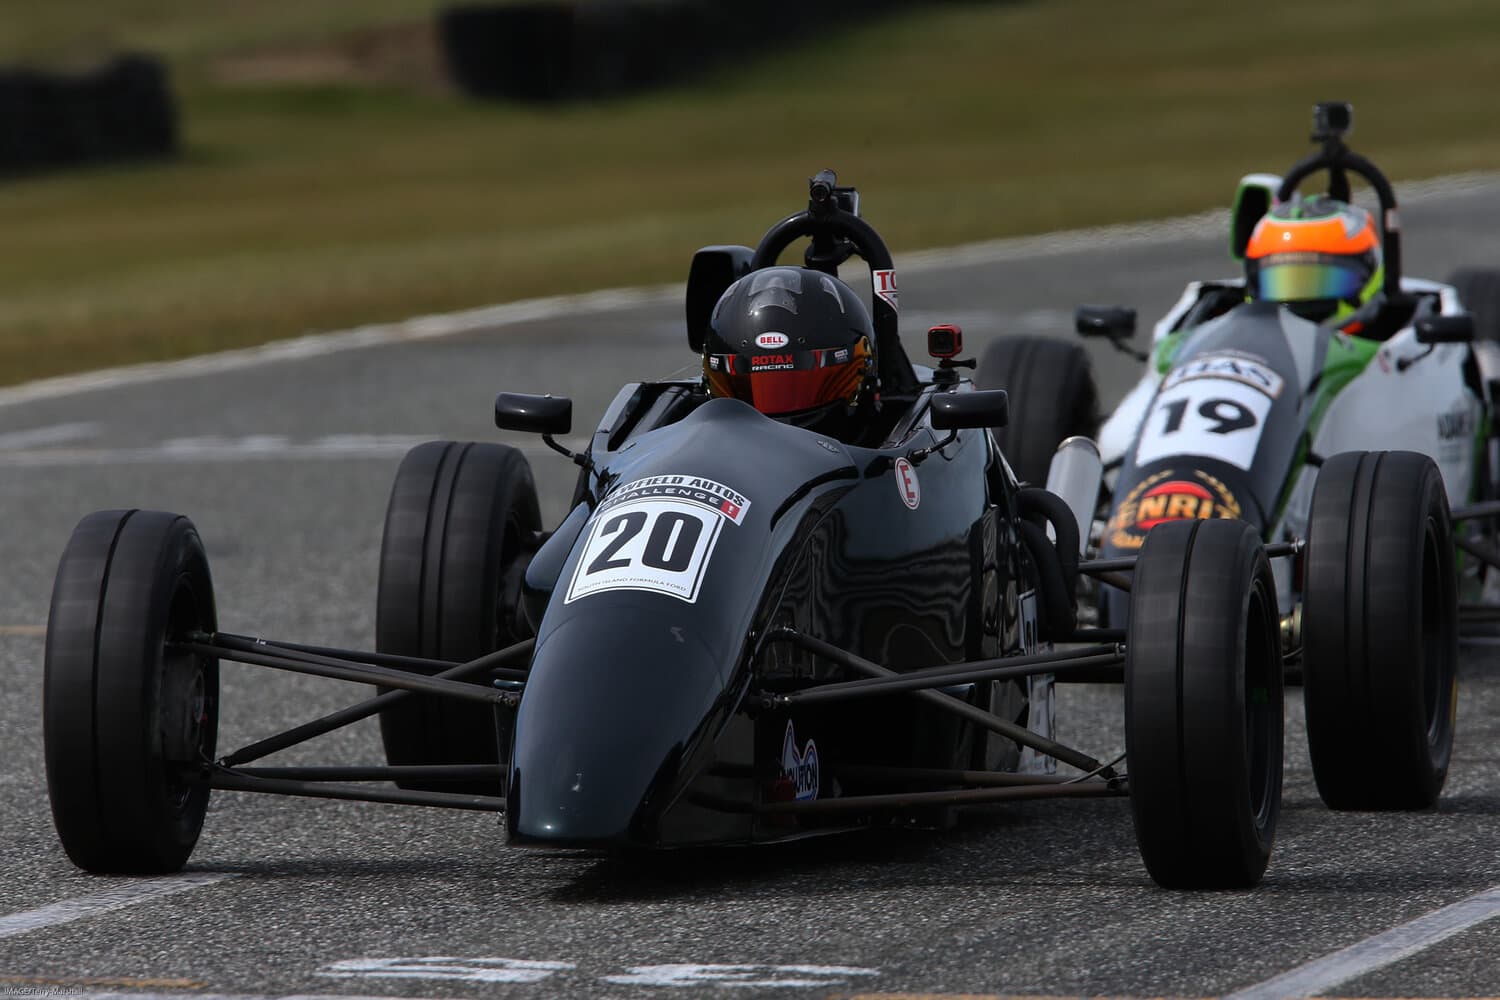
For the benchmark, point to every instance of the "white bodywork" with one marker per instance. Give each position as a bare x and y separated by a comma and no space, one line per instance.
1424,406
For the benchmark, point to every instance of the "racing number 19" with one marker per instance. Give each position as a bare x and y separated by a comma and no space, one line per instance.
1212,411
669,547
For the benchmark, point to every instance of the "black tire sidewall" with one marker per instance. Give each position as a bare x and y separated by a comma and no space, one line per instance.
1052,397
1377,739
451,555
1186,714
127,582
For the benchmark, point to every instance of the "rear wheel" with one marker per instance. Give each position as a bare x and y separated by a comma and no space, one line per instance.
457,533
1203,705
129,722
1380,631
1052,397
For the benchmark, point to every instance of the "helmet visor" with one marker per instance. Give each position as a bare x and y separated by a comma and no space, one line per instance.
777,384
1303,276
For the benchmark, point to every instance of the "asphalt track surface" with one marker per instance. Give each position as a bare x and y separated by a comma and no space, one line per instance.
285,466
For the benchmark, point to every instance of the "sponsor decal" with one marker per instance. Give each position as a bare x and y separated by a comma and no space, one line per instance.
841,355
1233,366
715,362
1164,496
798,778
907,484
772,362
1455,424
771,341
884,282
828,446
655,534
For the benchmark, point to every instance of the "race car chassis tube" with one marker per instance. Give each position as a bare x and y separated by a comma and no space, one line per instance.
929,678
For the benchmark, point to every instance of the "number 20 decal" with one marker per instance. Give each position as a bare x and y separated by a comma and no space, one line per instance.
656,545
1213,417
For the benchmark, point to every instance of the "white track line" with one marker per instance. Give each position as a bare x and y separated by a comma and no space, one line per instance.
60,992
259,447
1199,226
1376,952
53,434
117,897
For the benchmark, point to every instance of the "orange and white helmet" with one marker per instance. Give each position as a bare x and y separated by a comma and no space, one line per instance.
1319,256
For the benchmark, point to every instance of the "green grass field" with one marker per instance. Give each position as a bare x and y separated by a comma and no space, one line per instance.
310,204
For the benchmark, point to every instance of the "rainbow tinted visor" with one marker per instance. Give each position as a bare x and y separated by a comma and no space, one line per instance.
1298,277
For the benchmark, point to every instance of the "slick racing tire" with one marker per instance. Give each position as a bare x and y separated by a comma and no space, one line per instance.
129,723
1479,290
1052,397
1379,631
1203,705
457,527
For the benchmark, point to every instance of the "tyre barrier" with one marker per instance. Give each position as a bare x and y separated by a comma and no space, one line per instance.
122,111
559,51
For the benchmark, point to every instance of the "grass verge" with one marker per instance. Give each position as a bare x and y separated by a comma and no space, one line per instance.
302,207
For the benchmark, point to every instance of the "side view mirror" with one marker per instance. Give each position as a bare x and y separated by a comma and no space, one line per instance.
713,270
519,411
1256,195
1445,329
980,408
1114,322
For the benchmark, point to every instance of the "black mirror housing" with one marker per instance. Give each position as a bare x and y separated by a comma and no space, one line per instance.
1445,329
1114,322
953,411
520,411
713,270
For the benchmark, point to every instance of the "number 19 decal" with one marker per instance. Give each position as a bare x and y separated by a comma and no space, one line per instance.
1214,417
657,545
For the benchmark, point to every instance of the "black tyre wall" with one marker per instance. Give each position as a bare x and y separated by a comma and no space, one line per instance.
450,566
1380,631
122,111
1052,397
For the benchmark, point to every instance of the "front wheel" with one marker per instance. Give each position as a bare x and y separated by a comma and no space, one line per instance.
457,534
1052,397
1380,631
1203,705
128,721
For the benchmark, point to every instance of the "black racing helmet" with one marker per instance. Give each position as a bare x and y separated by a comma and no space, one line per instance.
791,342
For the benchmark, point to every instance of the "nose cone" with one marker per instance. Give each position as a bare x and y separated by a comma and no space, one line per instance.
601,730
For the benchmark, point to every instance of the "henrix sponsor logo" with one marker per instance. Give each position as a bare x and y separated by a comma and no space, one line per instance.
771,341
1160,497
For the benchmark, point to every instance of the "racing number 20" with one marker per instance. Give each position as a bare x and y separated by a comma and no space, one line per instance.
1211,410
669,547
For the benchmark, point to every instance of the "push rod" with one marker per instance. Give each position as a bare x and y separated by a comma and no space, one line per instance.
947,776
419,664
1484,553
948,703
364,709
360,673
907,800
229,781
919,680
1467,512
1098,567
394,772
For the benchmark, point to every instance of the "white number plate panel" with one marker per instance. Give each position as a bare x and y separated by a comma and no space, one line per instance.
658,545
1218,418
